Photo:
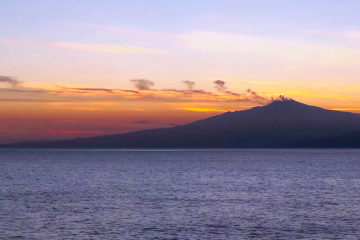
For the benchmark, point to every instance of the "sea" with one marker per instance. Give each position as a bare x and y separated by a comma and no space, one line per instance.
179,194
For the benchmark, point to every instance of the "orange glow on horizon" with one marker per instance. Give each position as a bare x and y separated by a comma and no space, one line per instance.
194,109
73,132
30,110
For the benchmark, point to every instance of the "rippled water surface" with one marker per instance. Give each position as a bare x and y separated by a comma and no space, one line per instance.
208,194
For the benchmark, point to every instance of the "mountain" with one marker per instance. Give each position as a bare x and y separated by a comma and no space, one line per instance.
282,123
347,140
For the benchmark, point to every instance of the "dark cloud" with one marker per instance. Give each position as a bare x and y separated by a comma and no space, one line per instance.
21,94
94,89
233,93
23,90
10,80
142,122
189,84
142,84
199,91
25,100
283,98
256,96
85,90
66,94
252,93
188,92
145,122
220,85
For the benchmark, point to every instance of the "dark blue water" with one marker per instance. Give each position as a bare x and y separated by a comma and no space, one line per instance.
223,194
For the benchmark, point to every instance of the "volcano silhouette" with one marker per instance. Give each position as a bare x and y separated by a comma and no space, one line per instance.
282,123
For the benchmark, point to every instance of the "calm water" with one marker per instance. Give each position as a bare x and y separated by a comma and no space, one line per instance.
223,194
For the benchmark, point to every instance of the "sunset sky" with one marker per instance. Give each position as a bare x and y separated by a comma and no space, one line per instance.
82,68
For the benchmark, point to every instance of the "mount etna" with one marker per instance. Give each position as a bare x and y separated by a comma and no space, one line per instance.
281,124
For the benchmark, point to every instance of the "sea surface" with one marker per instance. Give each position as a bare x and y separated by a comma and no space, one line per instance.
179,194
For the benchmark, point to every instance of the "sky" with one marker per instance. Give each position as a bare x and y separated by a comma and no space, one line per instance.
83,68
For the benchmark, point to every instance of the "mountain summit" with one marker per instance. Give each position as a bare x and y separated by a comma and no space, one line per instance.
282,123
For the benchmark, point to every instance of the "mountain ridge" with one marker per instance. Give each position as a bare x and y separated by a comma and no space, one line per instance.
282,123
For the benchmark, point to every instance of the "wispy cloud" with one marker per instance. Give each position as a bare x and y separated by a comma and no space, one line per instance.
149,122
143,93
56,132
86,47
142,84
129,31
102,48
349,34
189,84
10,81
197,109
296,51
220,85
